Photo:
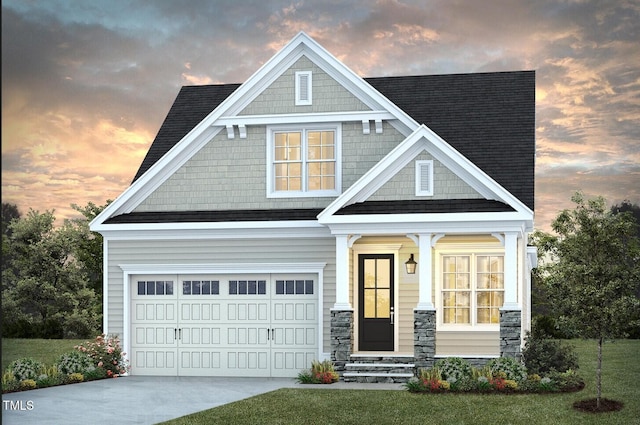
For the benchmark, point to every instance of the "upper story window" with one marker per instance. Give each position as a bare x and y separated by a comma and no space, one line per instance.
303,87
304,161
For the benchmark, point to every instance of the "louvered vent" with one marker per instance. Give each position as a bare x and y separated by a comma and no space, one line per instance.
424,178
303,88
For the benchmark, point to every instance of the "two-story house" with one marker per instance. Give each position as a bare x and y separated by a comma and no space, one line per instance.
309,213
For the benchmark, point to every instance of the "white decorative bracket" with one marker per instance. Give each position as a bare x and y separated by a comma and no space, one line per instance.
436,238
378,126
414,238
499,237
243,131
366,128
352,239
230,133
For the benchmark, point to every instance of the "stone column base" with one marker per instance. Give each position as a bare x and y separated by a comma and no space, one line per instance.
424,338
341,338
510,333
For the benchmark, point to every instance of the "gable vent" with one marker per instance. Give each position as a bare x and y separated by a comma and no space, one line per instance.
424,178
303,88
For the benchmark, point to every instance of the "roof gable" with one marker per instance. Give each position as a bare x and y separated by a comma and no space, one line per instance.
489,118
422,139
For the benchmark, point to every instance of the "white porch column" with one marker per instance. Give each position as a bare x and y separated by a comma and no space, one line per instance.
511,272
425,272
342,273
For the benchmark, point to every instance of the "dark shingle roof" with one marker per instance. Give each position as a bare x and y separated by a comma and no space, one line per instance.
487,117
425,206
215,216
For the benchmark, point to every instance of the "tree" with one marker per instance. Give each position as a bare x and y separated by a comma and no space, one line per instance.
589,269
627,206
88,245
44,287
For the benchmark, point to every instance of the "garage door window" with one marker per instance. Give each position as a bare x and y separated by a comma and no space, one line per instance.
247,287
200,287
155,287
294,287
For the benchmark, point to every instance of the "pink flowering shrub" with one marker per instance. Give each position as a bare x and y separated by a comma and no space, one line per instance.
106,354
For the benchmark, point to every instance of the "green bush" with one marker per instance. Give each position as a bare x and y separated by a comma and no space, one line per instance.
510,367
543,356
454,369
26,368
75,362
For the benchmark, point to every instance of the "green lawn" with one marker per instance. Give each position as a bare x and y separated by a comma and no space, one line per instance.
621,381
46,351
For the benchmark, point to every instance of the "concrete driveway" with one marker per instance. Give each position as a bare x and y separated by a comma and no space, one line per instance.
131,400
143,399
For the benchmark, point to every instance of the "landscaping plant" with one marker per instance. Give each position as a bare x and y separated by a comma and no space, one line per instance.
321,372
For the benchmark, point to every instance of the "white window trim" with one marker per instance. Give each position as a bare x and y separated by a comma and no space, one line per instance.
298,92
420,191
271,188
473,326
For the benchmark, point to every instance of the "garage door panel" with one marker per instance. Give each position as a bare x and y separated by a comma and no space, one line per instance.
225,326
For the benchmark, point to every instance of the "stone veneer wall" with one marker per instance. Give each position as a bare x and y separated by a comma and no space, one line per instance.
510,333
424,338
341,338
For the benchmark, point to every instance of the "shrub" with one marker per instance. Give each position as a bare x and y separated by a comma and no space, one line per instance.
26,368
320,373
107,354
567,381
543,356
28,384
454,369
9,382
510,367
74,378
50,377
75,362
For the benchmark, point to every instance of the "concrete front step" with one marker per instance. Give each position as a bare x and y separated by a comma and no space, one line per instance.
376,377
375,369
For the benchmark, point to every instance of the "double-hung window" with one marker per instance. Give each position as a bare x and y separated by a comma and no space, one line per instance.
304,161
472,289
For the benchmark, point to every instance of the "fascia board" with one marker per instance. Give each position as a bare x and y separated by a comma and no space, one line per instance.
384,219
250,230
450,227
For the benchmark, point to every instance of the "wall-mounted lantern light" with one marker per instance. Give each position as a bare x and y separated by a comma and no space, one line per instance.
411,265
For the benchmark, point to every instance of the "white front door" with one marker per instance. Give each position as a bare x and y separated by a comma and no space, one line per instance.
251,325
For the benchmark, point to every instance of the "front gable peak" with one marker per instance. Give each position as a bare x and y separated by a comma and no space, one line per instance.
420,141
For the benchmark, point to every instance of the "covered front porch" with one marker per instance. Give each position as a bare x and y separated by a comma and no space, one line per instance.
391,318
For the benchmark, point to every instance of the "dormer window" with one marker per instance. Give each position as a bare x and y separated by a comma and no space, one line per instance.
303,88
424,178
304,161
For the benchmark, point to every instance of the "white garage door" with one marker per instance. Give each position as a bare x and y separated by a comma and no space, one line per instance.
240,325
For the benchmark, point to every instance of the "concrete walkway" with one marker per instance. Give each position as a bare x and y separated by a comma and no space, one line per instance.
143,399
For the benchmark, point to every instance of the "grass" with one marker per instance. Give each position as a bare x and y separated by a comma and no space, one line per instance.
621,381
46,351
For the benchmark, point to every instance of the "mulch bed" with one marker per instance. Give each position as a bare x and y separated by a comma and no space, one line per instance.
591,406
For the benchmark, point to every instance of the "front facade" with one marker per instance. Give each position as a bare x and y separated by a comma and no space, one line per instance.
275,222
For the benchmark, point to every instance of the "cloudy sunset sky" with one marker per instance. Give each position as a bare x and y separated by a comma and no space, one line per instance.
87,83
